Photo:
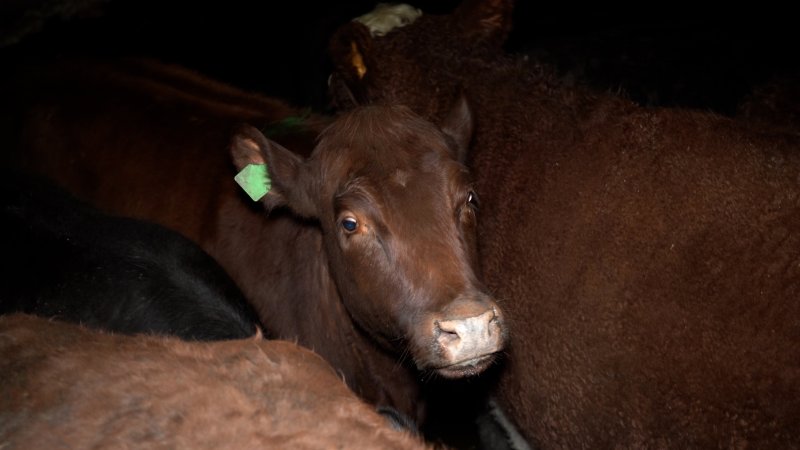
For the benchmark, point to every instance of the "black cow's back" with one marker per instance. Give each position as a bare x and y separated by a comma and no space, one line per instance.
63,259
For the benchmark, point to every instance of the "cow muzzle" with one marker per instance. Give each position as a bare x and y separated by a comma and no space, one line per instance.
467,338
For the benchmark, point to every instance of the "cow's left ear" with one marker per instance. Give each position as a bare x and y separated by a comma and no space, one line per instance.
459,124
270,173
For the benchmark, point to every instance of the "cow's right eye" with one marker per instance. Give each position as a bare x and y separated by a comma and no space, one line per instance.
349,224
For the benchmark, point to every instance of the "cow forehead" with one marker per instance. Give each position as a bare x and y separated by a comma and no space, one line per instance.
400,178
383,145
385,183
385,153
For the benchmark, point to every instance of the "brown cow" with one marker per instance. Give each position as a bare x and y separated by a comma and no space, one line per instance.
373,266
65,386
648,259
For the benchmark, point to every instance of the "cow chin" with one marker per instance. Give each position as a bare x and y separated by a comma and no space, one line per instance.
469,368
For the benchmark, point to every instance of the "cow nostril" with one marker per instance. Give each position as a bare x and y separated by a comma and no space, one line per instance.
448,337
447,333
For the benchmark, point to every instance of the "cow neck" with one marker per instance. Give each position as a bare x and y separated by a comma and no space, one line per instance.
387,381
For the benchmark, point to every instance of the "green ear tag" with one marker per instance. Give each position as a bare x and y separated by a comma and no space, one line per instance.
255,181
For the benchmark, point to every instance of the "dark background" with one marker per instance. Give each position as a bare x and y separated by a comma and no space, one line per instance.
657,55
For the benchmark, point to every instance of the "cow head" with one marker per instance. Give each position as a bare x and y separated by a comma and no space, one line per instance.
398,219
417,63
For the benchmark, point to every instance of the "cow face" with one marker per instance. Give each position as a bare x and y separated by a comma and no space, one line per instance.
398,216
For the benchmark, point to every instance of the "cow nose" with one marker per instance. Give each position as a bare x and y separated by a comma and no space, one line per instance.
465,339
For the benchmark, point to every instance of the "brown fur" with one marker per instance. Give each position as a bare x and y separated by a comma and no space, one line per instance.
67,387
648,259
150,141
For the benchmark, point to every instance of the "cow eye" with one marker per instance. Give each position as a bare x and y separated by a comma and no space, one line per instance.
349,224
472,200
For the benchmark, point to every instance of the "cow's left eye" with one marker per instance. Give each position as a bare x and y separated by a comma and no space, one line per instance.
472,200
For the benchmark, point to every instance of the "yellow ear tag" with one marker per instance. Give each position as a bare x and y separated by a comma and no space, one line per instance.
255,181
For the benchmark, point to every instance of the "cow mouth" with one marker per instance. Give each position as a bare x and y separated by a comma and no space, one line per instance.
468,368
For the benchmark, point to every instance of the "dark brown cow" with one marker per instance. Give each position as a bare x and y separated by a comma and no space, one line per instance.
65,386
648,259
373,266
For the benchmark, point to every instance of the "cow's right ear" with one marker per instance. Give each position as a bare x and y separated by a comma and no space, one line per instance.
459,125
264,165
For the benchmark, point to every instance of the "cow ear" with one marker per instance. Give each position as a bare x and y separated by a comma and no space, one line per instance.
350,50
284,175
459,124
485,21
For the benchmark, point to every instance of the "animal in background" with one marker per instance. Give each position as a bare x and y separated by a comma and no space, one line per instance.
66,260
